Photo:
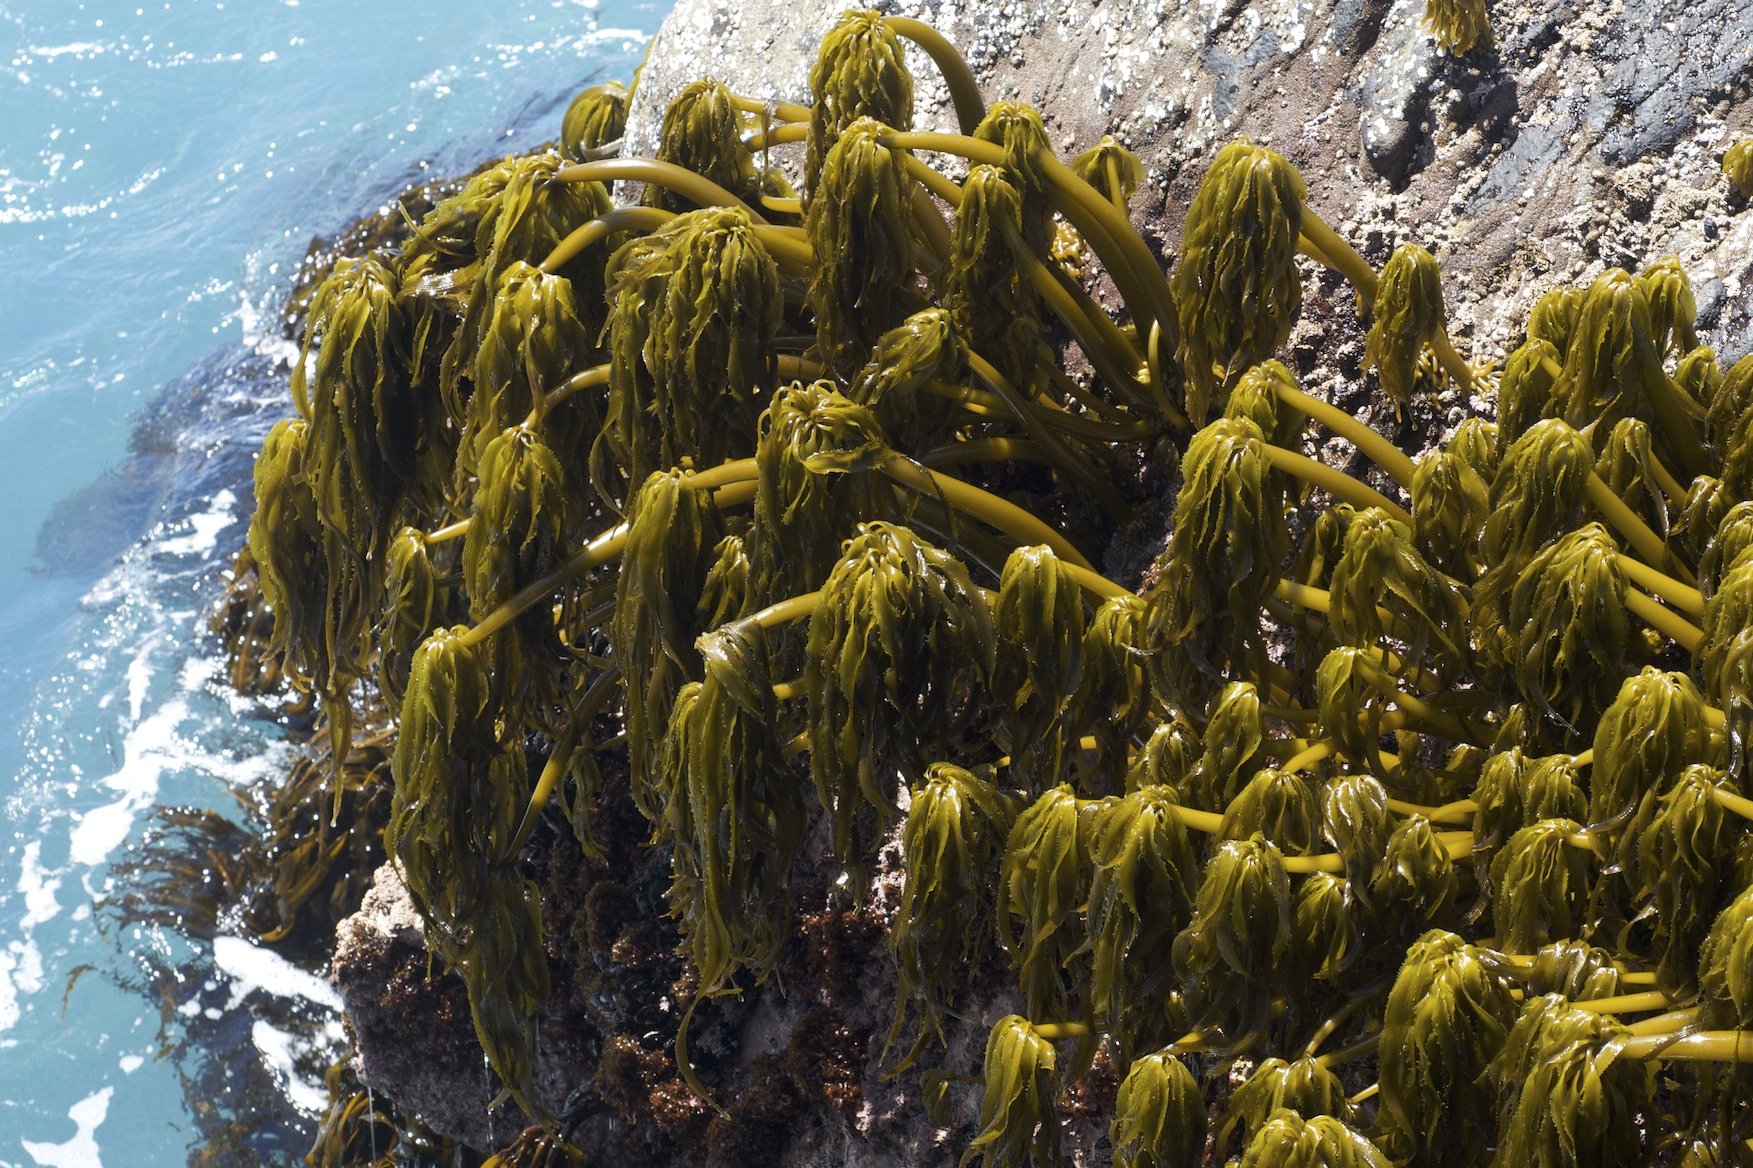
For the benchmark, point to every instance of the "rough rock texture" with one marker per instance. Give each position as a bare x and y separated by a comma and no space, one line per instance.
1589,136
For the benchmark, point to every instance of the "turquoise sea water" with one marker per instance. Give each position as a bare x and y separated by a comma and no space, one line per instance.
163,166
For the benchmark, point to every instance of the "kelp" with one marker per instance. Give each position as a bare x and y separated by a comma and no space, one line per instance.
900,648
1236,286
950,850
1368,754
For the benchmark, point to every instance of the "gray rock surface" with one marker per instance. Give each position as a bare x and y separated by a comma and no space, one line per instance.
1588,136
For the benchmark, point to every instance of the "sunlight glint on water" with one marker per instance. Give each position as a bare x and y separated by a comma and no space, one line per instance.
163,166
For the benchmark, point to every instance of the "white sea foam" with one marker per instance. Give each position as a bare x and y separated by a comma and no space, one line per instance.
204,528
278,1053
81,1151
252,968
38,887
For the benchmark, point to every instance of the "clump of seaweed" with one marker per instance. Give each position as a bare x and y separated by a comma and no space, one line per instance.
1422,794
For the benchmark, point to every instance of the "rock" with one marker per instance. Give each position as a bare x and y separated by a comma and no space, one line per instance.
1490,161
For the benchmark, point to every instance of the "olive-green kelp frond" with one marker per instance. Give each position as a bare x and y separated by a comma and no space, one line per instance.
1257,396
1447,1018
1111,169
1725,967
1553,317
1141,896
899,657
286,541
595,119
1168,758
1235,730
860,71
812,457
1231,957
1730,401
1304,1087
1409,315
1632,472
673,540
1738,166
734,810
1707,504
702,132
1110,699
1673,311
1379,570
1324,931
1613,369
694,307
1654,728
921,352
505,972
1733,536
517,534
1572,636
1450,501
351,383
1236,286
1280,805
1540,883
1018,1125
1416,875
1226,547
1040,621
1349,702
1525,388
1042,882
1577,971
1570,1098
1686,867
986,297
1459,26
1728,629
1354,820
1480,444
1287,1140
1515,791
860,229
1017,129
459,791
1159,1115
415,603
943,925
1700,376
535,338
1537,495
